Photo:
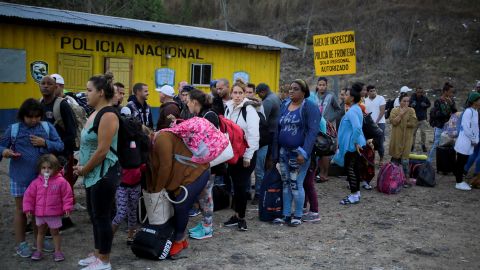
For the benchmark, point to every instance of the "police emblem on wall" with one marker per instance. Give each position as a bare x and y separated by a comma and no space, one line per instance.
38,70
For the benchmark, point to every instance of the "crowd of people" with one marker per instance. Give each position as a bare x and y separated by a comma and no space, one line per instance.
63,137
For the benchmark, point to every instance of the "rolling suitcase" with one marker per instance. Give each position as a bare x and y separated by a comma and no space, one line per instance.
446,157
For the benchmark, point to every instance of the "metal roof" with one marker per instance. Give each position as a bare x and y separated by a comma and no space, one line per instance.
101,21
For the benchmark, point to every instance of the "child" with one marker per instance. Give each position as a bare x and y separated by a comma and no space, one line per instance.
24,142
48,197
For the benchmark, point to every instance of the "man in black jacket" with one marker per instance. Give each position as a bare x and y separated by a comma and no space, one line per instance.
137,103
420,103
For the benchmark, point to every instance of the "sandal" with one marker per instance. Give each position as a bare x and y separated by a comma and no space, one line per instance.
346,201
321,179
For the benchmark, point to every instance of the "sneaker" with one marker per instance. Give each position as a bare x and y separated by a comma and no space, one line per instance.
37,256
233,221
98,265
29,228
203,233
23,250
178,246
311,217
47,246
366,185
279,221
242,225
198,227
79,207
194,212
66,224
295,221
58,256
88,260
463,186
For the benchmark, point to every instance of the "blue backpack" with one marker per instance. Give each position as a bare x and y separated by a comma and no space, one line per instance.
270,203
14,130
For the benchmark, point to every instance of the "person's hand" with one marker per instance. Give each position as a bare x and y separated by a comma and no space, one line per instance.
423,104
67,213
359,148
37,141
78,170
246,163
171,117
28,214
8,153
300,159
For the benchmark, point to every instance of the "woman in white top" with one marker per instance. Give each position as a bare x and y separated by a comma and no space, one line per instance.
467,138
240,173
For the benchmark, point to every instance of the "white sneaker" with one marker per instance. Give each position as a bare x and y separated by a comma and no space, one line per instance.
463,186
88,260
98,265
79,207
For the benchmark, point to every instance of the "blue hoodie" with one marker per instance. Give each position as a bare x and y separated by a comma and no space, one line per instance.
349,133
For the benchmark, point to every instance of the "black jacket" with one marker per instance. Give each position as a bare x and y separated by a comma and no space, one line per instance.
420,105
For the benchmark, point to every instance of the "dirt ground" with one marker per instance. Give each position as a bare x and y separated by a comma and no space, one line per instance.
419,228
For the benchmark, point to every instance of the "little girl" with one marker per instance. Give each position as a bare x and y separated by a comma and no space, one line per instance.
24,142
48,197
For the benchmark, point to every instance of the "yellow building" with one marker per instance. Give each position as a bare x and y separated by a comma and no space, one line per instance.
36,41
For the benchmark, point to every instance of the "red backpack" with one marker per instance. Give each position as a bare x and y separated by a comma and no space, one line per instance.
236,137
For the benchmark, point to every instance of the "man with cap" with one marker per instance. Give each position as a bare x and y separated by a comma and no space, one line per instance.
182,98
61,92
404,89
169,108
137,103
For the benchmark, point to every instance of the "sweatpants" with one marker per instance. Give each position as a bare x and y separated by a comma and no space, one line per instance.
240,178
352,168
127,204
309,186
181,209
100,202
459,167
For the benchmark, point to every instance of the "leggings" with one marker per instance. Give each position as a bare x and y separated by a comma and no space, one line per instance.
205,200
459,167
181,210
240,178
100,202
309,186
127,203
352,167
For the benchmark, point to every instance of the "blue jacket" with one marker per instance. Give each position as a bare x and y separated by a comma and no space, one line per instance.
24,169
310,118
349,134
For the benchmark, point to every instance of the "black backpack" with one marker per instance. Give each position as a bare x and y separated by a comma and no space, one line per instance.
154,241
270,202
264,132
133,144
388,107
370,129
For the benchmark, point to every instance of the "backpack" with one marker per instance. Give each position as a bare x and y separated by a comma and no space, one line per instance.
370,129
221,197
270,202
236,136
14,130
132,145
426,175
453,126
81,99
201,137
263,129
388,107
390,178
79,115
154,241
324,145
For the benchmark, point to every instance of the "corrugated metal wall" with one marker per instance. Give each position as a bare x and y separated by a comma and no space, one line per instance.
44,44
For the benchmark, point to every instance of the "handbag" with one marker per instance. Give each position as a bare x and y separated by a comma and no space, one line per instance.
226,155
324,145
159,206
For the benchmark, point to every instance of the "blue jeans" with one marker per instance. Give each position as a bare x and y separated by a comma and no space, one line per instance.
437,133
293,175
260,167
472,158
381,147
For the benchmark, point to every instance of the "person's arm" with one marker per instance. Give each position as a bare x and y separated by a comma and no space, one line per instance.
67,197
252,133
29,198
70,127
356,128
382,113
412,118
467,119
396,116
6,143
427,103
106,131
312,128
267,108
53,144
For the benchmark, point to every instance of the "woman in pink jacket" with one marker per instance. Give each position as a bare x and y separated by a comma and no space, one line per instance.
48,198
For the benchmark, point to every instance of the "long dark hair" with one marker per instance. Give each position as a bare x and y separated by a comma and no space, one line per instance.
31,108
104,82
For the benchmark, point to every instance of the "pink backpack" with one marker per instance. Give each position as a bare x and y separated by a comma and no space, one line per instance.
201,137
390,178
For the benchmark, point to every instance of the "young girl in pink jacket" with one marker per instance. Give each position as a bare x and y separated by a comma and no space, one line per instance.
49,197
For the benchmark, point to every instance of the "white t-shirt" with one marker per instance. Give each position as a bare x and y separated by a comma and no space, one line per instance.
373,106
396,103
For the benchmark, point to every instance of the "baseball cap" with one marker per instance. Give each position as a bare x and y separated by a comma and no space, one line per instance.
166,90
405,89
58,78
